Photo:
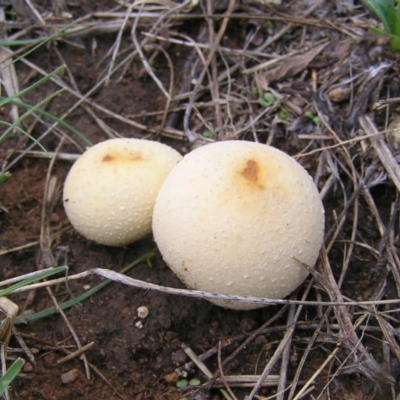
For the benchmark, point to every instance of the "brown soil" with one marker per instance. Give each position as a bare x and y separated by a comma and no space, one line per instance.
131,362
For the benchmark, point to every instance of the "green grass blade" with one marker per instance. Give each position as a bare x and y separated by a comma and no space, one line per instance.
397,26
40,82
28,113
52,117
39,43
4,135
386,12
62,33
77,300
27,42
4,177
63,306
395,43
379,31
33,279
10,374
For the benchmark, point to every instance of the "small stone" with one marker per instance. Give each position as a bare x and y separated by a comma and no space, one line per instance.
172,378
28,367
69,376
142,312
339,94
139,325
54,218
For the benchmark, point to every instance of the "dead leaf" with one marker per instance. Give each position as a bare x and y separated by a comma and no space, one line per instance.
294,65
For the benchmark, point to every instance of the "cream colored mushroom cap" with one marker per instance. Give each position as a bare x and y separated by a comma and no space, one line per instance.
110,191
233,217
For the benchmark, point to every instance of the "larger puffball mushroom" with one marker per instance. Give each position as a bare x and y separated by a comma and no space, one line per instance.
110,191
239,218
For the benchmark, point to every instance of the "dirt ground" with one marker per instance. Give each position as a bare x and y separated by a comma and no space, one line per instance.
349,71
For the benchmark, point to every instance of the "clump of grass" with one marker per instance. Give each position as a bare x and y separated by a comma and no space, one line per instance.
389,15
10,310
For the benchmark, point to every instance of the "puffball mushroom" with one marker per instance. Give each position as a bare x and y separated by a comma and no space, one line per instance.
239,218
110,191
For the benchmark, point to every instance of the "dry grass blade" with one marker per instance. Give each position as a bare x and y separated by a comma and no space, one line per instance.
126,280
388,332
10,310
385,155
362,360
204,369
294,313
75,353
9,78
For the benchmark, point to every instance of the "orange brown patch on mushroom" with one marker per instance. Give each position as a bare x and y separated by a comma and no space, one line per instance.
107,158
251,173
123,157
251,170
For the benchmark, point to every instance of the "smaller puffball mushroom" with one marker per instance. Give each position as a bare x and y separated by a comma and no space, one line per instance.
110,191
239,218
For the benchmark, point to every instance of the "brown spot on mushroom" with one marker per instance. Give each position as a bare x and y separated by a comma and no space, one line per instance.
252,173
123,157
107,158
251,170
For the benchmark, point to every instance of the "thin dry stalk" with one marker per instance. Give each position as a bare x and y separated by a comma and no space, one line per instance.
75,353
126,280
221,373
210,56
51,194
294,314
385,155
285,358
208,374
363,360
306,354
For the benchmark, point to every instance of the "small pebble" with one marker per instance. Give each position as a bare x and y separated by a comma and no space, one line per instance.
172,378
139,325
142,312
28,367
69,376
340,93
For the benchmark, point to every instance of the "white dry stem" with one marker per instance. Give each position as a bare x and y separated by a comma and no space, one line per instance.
126,280
9,79
382,150
10,310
